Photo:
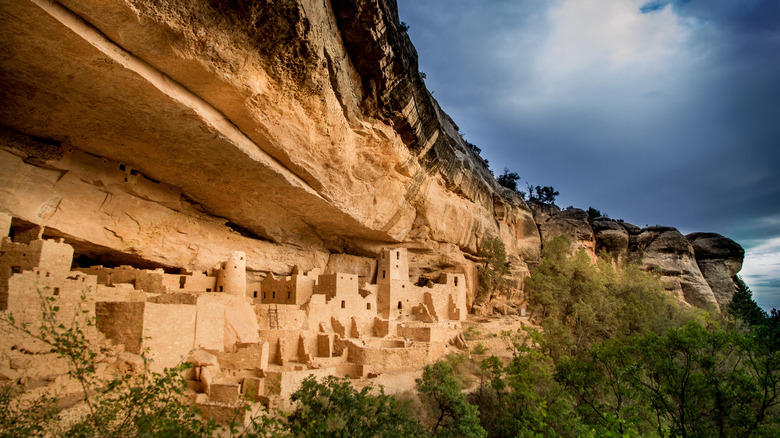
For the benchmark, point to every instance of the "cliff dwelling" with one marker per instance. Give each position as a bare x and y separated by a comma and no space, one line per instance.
259,341
266,195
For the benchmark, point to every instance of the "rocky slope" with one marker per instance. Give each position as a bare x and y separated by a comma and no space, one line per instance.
171,133
698,268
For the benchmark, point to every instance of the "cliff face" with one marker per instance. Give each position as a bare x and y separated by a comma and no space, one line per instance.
698,268
170,133
174,132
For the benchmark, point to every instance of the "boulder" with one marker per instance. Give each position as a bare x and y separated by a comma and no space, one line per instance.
611,236
572,223
719,259
666,250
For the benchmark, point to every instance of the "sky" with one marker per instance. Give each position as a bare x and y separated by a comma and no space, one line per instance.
658,112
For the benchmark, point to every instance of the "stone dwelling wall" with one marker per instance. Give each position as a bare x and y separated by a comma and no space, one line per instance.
72,295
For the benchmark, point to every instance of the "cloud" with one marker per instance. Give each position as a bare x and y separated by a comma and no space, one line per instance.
761,271
658,112
653,6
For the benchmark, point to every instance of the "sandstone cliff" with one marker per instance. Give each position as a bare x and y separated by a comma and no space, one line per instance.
698,268
171,133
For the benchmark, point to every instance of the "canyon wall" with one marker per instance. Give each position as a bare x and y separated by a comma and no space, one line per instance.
171,133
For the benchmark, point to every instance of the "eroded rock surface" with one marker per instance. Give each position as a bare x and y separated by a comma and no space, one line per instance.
719,259
171,133
288,130
572,223
666,250
611,236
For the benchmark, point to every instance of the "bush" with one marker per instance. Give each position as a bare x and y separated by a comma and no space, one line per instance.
448,412
579,303
334,408
491,275
508,179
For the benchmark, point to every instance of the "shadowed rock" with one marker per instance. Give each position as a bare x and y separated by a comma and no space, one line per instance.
719,259
666,250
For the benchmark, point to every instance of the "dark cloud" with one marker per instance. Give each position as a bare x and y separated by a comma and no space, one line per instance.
660,112
653,6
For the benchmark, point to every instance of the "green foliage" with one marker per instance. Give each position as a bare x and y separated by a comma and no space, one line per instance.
579,303
471,333
593,214
491,275
743,307
479,349
508,179
334,408
697,380
522,398
544,195
448,412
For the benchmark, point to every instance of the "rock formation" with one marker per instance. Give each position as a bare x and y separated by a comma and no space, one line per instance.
698,268
719,259
170,134
266,190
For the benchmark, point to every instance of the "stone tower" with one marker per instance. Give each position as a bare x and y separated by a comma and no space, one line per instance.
233,277
393,265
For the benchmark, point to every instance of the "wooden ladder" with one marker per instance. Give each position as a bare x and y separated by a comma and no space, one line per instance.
273,316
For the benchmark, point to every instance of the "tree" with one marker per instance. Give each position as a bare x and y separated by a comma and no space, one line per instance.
509,179
743,307
579,303
334,408
593,214
449,414
491,275
697,380
546,194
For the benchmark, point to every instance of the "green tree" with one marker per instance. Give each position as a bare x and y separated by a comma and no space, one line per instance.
334,408
509,179
448,412
491,275
743,307
579,303
697,380
593,214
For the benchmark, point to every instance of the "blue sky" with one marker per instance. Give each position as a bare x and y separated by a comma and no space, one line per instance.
656,112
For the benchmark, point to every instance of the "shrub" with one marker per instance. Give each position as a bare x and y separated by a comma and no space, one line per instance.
491,275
